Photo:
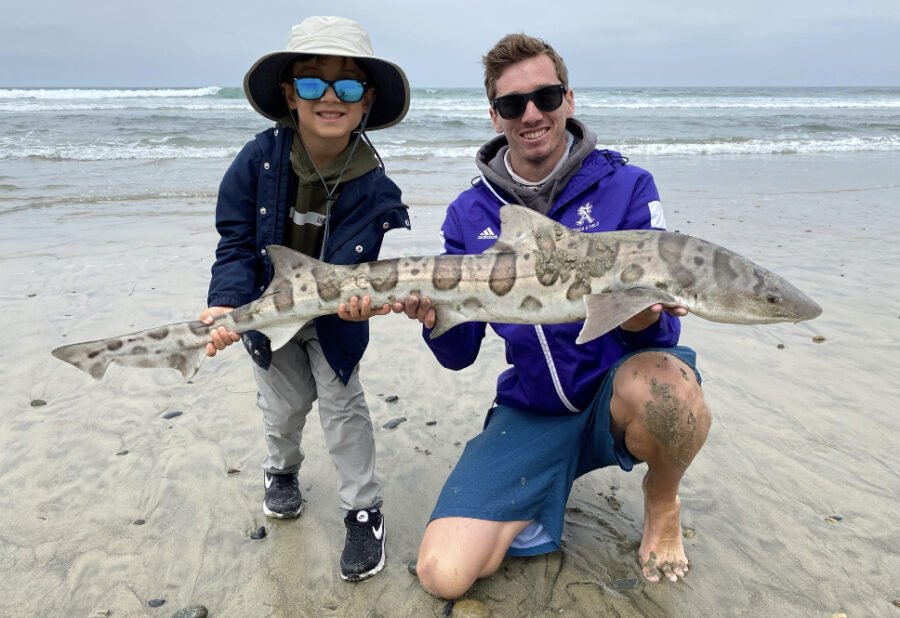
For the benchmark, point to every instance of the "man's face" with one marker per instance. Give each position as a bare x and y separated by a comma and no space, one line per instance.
327,118
536,139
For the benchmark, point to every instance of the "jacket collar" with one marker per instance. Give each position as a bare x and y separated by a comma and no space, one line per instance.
346,219
594,164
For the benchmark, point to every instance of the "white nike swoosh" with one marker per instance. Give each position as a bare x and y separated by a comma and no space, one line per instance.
379,531
269,478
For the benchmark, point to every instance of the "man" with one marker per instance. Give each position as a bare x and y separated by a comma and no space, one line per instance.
562,409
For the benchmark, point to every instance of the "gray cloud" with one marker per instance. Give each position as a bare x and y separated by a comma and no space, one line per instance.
641,43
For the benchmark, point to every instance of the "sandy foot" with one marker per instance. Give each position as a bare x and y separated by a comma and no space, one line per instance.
661,554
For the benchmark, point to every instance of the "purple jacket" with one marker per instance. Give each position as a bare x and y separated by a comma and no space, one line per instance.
550,373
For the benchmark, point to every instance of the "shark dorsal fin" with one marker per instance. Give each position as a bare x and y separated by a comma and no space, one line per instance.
523,229
285,259
289,265
517,225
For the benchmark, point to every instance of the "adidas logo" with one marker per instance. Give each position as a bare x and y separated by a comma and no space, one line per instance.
487,234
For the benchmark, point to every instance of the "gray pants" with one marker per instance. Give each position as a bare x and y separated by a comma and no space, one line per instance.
299,374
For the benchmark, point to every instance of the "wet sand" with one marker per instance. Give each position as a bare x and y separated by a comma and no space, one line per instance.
789,510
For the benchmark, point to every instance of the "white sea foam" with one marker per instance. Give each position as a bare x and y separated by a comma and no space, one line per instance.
104,93
426,152
593,101
764,147
449,106
113,105
111,152
392,151
111,100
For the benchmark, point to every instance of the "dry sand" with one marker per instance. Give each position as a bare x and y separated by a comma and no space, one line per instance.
791,509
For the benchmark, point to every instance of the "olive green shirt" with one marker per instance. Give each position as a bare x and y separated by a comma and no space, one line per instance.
305,230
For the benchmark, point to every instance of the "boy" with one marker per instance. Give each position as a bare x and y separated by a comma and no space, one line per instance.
314,183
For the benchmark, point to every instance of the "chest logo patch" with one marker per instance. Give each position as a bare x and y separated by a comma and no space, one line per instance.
586,219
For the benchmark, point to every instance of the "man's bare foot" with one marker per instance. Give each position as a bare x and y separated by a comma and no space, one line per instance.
662,552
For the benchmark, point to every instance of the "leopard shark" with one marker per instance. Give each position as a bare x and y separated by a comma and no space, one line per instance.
537,272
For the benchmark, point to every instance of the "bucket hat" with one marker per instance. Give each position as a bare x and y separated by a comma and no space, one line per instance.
329,36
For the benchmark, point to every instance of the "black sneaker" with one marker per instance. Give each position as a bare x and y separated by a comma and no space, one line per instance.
282,495
363,554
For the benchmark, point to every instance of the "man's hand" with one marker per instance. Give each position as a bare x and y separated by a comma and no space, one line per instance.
221,336
650,316
359,310
417,308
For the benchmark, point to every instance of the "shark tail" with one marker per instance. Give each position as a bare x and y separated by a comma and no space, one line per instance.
179,346
84,357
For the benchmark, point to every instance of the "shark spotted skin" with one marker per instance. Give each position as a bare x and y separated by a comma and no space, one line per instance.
538,272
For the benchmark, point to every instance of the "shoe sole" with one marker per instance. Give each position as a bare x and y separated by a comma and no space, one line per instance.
377,569
277,515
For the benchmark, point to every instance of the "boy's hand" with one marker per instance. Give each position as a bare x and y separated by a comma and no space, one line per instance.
221,336
356,310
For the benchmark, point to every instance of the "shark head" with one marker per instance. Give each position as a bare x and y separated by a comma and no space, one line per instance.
771,299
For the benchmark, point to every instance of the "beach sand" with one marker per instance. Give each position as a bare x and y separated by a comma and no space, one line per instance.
790,510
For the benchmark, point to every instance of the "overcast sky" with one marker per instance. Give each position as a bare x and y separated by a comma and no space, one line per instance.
62,43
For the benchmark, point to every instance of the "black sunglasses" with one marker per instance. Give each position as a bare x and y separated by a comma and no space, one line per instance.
547,99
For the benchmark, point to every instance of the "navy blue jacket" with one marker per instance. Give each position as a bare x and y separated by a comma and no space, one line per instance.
255,197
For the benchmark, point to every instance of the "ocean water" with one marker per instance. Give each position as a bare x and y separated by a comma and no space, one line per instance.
80,148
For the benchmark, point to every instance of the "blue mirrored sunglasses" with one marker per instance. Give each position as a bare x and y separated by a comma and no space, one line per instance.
314,88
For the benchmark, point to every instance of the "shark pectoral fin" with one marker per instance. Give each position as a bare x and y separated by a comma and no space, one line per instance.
445,319
280,334
606,311
189,365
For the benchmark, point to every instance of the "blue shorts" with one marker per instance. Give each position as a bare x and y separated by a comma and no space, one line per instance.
521,467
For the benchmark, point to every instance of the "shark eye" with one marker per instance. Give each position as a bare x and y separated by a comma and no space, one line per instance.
772,299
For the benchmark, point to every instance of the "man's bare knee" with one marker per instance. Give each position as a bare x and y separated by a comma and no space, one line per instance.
442,579
457,551
659,406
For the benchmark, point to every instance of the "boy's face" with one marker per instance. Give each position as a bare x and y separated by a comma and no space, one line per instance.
328,118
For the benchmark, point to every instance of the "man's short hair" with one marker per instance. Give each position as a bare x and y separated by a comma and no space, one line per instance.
514,48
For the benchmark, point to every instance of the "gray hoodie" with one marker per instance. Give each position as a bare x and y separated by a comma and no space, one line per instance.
490,161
